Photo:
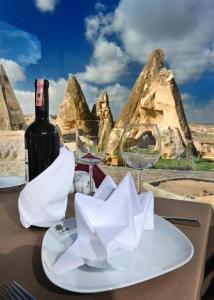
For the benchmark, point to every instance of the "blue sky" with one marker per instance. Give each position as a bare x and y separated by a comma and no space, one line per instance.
105,44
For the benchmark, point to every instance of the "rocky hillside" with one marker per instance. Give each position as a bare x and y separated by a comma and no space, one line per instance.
203,137
102,111
73,106
11,115
155,98
12,145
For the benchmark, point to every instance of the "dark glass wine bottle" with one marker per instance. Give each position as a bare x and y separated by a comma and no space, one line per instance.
42,141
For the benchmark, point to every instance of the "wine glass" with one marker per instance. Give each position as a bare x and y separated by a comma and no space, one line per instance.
91,144
140,147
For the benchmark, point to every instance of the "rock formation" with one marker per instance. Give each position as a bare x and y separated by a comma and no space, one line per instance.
11,115
73,106
12,145
155,98
203,137
102,111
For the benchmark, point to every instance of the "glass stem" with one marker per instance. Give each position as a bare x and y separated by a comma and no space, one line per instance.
138,181
91,180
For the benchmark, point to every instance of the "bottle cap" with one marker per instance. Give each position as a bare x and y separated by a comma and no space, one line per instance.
41,82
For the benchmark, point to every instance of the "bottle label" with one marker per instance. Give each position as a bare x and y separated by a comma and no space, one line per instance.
26,166
39,92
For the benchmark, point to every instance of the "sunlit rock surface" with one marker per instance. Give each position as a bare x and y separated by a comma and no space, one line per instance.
11,115
155,98
12,145
102,111
73,106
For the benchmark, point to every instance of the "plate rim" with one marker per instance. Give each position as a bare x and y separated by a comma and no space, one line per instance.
104,289
10,187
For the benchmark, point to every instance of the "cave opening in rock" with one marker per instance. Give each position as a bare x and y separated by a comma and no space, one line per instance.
146,139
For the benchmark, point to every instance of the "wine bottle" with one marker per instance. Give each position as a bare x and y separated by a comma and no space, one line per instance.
42,141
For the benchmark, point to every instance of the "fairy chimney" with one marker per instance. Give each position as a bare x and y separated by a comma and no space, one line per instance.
102,111
73,107
11,115
155,98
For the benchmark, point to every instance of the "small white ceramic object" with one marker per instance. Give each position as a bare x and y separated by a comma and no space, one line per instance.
81,183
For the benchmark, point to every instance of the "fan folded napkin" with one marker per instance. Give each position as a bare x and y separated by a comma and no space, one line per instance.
104,228
43,200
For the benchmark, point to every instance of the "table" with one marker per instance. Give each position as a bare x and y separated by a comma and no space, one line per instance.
20,256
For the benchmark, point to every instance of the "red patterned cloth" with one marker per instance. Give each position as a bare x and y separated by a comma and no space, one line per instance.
98,174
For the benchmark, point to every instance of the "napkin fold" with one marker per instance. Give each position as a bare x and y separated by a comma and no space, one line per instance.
104,228
43,200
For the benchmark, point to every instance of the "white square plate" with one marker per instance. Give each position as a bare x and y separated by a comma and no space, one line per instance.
159,252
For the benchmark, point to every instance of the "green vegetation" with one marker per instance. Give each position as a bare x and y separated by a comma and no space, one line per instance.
184,164
115,152
148,150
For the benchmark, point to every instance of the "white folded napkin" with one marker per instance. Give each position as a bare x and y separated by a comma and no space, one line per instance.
43,200
106,227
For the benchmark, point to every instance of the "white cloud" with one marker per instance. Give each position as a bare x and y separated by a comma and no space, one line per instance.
46,5
118,95
90,91
14,71
183,28
186,96
98,25
32,46
57,90
56,93
196,113
19,45
26,100
108,63
99,6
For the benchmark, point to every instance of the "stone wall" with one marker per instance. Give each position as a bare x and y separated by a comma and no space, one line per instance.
12,145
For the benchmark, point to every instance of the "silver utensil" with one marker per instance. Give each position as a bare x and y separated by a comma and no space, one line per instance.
14,291
175,220
183,221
